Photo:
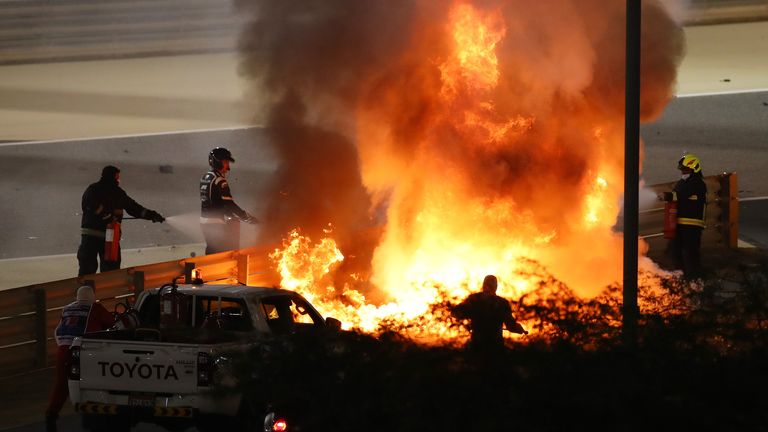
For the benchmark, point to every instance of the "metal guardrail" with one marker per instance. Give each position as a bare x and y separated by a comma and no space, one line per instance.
29,315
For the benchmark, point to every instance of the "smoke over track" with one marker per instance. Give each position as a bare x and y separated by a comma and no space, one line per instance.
460,136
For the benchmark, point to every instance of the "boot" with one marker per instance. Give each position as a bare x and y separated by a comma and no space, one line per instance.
50,423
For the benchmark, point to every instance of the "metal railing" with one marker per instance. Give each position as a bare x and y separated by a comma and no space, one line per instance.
29,315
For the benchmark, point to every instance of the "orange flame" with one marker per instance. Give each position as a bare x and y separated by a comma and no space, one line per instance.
448,223
304,265
474,63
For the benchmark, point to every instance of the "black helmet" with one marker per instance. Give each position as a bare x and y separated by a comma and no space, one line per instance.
217,155
108,173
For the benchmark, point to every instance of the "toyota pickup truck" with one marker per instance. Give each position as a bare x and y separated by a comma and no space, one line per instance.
163,371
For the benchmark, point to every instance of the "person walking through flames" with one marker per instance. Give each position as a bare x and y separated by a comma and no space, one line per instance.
219,216
103,203
82,316
488,313
690,194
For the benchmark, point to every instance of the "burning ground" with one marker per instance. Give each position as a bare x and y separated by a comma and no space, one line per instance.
424,144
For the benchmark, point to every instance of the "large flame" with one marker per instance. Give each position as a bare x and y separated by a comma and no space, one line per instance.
304,265
486,143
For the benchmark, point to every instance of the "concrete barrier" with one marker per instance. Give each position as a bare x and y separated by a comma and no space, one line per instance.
705,12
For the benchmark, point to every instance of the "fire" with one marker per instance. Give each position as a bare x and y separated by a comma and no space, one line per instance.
452,239
594,202
471,73
302,264
474,61
484,144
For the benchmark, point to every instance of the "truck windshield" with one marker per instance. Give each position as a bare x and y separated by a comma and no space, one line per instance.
209,311
222,313
284,314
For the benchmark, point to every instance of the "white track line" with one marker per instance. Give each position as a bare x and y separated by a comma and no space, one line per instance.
760,198
153,134
723,93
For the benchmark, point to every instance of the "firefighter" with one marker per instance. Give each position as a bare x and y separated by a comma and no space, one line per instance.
104,202
488,314
77,318
690,193
219,215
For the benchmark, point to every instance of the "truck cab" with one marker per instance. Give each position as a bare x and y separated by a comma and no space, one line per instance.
234,308
163,371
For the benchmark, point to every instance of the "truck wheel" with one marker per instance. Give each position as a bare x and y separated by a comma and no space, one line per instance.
103,423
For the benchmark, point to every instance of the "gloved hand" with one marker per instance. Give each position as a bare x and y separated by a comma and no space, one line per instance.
249,218
155,216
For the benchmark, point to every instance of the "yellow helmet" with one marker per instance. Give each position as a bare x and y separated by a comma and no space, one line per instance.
689,161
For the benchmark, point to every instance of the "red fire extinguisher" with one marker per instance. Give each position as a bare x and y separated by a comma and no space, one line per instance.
174,308
670,219
112,242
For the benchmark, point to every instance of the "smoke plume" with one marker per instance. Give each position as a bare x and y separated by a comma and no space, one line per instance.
465,132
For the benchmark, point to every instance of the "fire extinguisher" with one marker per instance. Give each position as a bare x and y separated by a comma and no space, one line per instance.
174,307
112,242
670,219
